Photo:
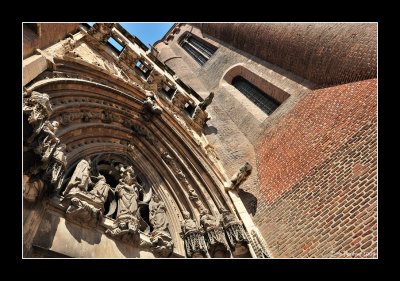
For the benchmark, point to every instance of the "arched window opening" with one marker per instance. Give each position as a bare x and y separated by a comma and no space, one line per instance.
258,97
199,50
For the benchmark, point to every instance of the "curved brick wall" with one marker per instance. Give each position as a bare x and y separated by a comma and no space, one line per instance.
317,171
326,54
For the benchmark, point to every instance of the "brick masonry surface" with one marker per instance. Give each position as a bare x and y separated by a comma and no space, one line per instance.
318,178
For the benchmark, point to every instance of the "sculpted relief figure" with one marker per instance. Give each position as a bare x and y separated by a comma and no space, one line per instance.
188,224
208,221
235,233
47,140
195,244
128,193
80,178
38,106
101,188
57,165
214,235
125,227
160,238
158,217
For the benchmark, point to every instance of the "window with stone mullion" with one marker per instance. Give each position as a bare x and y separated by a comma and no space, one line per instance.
201,46
200,58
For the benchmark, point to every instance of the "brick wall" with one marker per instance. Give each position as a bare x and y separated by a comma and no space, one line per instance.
324,53
317,170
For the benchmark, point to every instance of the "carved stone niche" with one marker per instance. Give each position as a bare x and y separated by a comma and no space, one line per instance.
101,31
161,240
193,237
214,236
235,233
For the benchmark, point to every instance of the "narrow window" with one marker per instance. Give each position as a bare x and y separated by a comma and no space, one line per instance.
199,50
258,97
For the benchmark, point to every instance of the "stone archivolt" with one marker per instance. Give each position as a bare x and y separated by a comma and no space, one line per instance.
103,114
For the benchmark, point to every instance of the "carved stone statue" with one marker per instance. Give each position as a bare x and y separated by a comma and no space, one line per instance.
80,178
38,106
188,224
160,237
56,168
208,221
101,188
107,116
82,212
126,224
47,140
128,193
241,176
158,217
214,235
206,102
235,233
194,240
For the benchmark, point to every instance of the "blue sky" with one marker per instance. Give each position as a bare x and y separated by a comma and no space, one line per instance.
147,32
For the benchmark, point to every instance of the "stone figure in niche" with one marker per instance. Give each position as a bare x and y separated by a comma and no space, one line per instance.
80,178
101,188
240,177
195,244
235,233
128,193
130,148
206,102
158,217
208,221
188,224
161,241
126,224
214,235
